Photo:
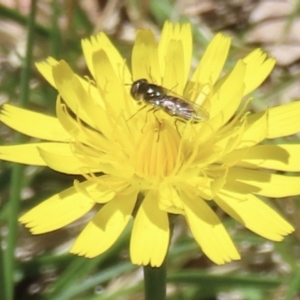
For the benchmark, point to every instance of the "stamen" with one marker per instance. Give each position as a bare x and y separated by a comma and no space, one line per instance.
156,150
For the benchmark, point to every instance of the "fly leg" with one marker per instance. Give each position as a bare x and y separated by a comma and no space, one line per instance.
143,107
176,124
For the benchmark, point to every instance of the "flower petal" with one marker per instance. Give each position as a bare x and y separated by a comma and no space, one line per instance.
169,200
27,154
254,214
227,99
229,140
257,70
45,68
213,60
82,133
262,183
106,226
74,94
281,157
62,158
25,121
173,78
256,129
105,190
150,234
175,54
59,210
208,231
102,42
145,57
284,120
113,85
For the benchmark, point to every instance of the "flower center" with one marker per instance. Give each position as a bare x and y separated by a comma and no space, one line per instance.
156,153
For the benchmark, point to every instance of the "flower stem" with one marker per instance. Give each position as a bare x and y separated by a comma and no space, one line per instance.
155,282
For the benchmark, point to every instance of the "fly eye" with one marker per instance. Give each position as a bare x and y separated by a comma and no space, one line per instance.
134,91
139,89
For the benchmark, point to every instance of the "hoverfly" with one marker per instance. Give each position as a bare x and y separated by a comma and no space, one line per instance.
160,98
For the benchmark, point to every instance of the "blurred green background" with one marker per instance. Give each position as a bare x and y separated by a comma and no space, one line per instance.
39,267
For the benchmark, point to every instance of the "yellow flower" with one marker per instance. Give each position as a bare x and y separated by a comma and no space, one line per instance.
178,167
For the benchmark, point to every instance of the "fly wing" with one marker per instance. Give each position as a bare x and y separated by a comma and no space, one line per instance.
187,109
186,113
168,104
200,114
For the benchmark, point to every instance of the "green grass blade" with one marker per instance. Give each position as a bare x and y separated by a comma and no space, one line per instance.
17,171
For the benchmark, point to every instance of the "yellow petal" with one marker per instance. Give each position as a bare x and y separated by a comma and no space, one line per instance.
175,53
150,234
144,60
254,214
45,68
213,60
114,87
209,231
207,187
183,33
275,157
61,157
105,190
262,183
24,154
102,42
257,70
75,95
33,124
169,200
173,78
106,226
229,140
256,129
82,133
284,120
227,99
59,210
